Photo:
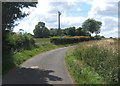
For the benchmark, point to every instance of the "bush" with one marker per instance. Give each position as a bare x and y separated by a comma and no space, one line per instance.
69,40
13,43
21,41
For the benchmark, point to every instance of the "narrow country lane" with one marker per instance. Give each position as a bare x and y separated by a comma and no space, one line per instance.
45,68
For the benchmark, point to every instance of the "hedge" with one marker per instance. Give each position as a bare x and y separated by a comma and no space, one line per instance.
69,40
17,42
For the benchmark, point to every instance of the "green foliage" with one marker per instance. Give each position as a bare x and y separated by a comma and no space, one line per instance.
65,31
21,41
71,31
53,31
88,27
91,25
43,45
82,32
59,32
42,41
70,40
67,40
81,73
13,44
98,58
13,59
17,42
98,36
12,12
10,43
41,31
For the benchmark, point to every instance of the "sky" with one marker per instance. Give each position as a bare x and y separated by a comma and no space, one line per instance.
73,13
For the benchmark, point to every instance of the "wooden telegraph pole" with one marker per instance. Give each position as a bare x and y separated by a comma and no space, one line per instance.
59,31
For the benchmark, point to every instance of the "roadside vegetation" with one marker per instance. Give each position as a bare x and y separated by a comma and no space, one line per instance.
72,39
94,62
20,49
42,45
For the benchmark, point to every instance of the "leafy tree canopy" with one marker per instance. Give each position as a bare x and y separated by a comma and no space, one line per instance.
70,31
11,11
92,26
53,31
41,31
82,32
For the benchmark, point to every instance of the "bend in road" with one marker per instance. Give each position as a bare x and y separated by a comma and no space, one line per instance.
45,68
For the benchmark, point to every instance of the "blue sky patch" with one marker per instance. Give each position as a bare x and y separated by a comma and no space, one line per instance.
80,10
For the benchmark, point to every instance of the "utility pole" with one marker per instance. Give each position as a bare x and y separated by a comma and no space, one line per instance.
59,32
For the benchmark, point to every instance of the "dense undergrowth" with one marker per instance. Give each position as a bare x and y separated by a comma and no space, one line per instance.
94,62
13,43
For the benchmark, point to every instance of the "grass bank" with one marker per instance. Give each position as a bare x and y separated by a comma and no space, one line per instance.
42,45
94,62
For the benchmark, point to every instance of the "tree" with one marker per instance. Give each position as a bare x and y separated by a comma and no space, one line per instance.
12,12
53,31
65,31
102,37
92,26
59,32
70,31
82,32
79,31
21,31
41,31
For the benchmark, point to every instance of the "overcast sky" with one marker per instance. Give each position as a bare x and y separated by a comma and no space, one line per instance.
74,13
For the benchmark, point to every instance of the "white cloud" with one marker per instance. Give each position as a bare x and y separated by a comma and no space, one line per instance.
107,12
110,22
78,9
110,27
72,21
46,11
104,8
67,22
111,33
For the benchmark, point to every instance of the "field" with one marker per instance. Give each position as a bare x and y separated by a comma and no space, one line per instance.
42,41
94,62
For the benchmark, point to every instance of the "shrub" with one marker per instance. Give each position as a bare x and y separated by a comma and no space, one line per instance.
13,43
69,40
20,41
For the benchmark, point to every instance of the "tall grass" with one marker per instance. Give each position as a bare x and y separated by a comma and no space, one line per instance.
94,62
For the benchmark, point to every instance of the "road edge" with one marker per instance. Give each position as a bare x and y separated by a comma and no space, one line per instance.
66,70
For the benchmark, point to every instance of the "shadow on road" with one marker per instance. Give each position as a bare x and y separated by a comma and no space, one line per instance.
23,75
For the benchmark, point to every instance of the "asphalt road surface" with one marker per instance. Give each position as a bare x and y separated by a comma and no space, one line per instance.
45,68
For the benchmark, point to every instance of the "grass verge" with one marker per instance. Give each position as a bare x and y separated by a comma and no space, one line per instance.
94,62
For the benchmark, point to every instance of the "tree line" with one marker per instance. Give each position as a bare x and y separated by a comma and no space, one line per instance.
89,26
